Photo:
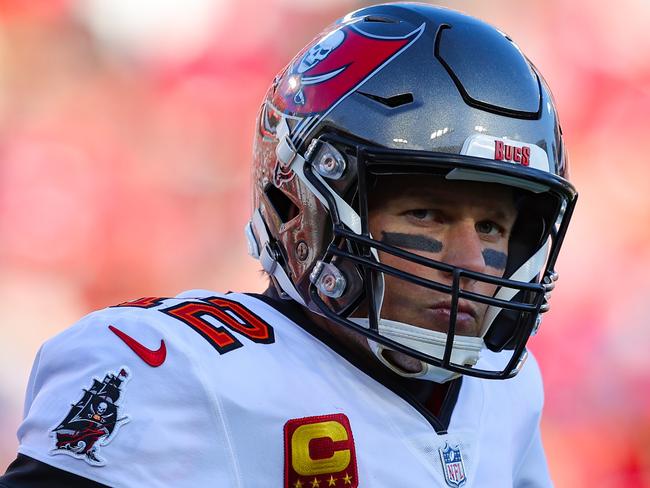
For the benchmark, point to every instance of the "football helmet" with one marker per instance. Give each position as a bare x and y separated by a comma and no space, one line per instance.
399,89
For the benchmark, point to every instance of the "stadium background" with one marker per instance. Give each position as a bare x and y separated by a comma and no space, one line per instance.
125,131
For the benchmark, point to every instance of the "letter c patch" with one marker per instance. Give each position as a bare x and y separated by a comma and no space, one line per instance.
319,448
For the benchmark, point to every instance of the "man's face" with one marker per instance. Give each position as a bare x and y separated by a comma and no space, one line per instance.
464,224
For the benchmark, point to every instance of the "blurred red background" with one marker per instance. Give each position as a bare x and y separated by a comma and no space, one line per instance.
125,133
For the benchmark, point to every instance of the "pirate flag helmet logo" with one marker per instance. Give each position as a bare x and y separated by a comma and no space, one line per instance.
332,67
93,421
323,74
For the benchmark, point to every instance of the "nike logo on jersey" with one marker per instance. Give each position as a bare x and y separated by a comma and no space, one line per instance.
149,356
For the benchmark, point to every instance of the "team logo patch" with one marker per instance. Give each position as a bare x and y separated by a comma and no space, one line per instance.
93,421
452,465
319,453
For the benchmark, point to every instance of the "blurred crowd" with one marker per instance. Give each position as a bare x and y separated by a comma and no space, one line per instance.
125,133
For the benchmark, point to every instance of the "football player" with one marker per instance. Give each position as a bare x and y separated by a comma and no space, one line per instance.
409,203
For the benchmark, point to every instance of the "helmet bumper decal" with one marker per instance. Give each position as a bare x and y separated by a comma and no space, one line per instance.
507,150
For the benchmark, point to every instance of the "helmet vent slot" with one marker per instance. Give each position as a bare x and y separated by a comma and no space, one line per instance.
380,18
283,206
392,102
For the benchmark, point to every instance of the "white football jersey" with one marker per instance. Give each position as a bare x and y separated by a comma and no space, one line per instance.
209,390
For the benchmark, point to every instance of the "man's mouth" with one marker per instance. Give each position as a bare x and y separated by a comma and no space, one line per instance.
464,308
466,317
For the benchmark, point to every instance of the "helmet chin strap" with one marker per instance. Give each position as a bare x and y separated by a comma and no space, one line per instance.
466,350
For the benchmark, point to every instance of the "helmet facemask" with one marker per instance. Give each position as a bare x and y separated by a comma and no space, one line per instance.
348,282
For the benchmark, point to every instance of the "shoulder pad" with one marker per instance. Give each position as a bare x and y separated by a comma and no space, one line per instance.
117,398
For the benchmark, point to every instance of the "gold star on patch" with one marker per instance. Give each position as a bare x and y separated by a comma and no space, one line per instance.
347,479
298,484
331,481
315,483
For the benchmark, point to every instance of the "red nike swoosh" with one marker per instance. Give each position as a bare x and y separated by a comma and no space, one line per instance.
149,356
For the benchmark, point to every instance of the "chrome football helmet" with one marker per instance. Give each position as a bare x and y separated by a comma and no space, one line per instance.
399,89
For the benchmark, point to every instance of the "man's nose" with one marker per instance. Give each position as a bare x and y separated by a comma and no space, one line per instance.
463,247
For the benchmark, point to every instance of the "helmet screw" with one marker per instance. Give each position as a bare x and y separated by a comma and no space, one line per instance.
329,282
329,162
302,250
328,279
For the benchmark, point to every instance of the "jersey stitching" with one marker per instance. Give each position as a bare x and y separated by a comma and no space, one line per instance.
220,414
520,462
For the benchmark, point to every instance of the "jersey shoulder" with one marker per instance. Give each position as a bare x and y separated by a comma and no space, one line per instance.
123,397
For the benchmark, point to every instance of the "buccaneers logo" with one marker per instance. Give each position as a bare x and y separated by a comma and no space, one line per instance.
92,421
324,74
334,66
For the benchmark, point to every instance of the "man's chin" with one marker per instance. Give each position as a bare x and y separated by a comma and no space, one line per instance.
403,361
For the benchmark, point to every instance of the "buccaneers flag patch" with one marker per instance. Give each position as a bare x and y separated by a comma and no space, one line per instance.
319,453
92,421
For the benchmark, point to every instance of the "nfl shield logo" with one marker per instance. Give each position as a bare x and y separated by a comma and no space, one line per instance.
452,465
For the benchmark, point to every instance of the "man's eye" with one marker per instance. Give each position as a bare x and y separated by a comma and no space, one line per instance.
420,213
424,215
488,227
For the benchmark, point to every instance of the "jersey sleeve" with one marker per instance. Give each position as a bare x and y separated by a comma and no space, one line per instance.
119,400
26,472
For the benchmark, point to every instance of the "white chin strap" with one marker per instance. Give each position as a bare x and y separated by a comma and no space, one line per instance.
466,350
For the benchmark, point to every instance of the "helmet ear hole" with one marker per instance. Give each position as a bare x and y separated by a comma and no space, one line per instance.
530,231
501,331
508,328
283,206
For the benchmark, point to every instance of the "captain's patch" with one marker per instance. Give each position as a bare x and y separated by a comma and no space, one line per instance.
319,453
93,421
